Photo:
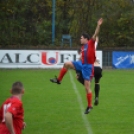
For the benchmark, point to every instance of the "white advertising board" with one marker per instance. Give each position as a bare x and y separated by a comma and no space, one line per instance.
38,58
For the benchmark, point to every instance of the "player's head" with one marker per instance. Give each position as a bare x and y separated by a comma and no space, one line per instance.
84,38
17,88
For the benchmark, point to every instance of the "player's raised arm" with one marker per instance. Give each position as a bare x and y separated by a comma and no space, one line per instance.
97,30
96,42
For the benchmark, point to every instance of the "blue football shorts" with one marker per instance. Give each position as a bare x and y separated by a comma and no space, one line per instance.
77,65
86,69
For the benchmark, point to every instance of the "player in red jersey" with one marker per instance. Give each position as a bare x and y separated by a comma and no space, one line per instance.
88,59
12,113
97,75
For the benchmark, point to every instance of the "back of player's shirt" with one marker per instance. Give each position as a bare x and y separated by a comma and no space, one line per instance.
15,107
88,52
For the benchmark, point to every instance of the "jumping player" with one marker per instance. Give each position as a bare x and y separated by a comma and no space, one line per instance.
88,58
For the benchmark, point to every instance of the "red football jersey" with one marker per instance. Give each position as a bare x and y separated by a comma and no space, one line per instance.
15,107
88,52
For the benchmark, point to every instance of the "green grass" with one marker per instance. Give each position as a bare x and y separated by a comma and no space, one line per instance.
55,109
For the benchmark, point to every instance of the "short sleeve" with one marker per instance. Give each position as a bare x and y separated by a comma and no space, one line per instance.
15,108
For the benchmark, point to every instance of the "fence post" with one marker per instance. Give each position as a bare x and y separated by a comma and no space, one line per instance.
53,21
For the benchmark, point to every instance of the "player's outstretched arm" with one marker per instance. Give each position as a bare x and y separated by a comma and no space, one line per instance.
97,30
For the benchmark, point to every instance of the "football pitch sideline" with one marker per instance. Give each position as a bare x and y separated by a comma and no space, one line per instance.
59,109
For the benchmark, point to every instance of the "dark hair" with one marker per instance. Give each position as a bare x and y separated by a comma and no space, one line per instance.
17,87
85,35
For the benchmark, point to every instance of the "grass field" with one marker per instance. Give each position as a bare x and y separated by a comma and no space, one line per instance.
59,109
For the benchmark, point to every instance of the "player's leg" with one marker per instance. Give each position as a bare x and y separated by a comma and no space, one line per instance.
97,76
87,73
63,71
97,90
88,96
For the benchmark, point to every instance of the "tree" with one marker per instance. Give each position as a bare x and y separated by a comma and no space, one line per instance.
28,22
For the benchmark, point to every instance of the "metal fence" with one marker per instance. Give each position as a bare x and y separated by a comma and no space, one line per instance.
107,59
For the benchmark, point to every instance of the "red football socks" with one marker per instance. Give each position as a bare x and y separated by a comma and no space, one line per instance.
62,73
89,99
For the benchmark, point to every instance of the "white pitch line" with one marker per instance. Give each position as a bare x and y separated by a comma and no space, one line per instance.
86,122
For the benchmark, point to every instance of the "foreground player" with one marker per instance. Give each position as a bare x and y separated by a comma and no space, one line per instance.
97,74
12,113
97,77
88,59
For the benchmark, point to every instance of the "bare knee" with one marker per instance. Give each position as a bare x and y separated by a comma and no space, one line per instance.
69,65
